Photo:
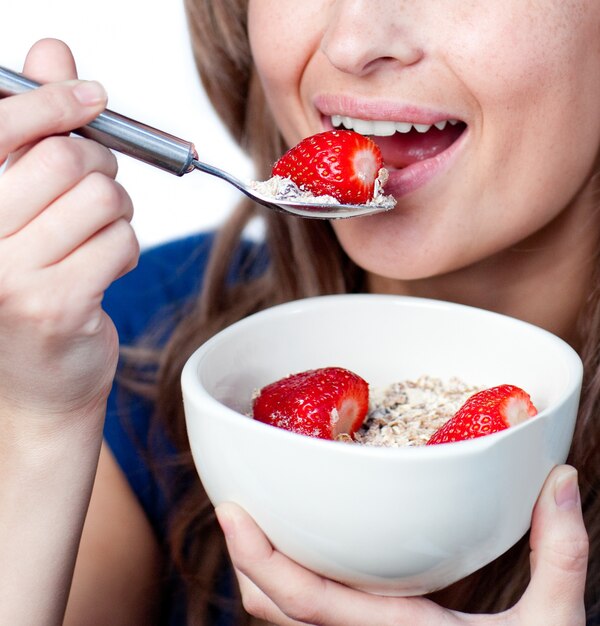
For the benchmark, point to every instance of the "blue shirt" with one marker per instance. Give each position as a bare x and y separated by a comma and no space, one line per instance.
166,278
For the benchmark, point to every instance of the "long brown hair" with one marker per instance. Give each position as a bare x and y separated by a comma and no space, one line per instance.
305,260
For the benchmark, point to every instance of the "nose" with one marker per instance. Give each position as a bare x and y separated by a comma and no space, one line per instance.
362,35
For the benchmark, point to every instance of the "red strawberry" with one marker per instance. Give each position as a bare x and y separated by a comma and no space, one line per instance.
323,403
486,412
339,163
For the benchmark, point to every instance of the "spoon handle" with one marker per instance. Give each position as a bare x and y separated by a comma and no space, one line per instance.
121,133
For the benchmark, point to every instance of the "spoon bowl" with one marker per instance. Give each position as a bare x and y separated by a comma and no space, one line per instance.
313,209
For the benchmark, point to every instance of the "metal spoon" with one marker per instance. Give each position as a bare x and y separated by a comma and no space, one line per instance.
177,156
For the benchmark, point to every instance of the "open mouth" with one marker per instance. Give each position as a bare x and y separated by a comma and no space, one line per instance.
403,143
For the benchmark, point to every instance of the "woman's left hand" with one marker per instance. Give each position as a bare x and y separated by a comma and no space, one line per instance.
277,589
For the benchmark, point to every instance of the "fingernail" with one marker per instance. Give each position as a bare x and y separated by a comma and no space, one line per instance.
566,491
89,92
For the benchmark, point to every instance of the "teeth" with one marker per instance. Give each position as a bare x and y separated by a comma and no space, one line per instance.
422,128
382,128
403,127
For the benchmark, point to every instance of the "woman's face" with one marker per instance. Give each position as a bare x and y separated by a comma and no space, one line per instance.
520,77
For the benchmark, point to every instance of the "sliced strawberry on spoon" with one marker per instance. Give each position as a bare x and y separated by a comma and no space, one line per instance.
338,163
486,412
323,403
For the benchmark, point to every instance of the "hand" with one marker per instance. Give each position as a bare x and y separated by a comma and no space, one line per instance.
65,235
278,590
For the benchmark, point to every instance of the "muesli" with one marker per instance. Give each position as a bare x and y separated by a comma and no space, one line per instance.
408,412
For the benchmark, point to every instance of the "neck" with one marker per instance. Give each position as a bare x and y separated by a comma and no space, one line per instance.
545,279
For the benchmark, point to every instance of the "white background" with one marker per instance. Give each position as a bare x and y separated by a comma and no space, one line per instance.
140,51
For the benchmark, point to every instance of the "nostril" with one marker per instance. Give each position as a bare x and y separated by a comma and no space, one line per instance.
360,44
361,62
408,58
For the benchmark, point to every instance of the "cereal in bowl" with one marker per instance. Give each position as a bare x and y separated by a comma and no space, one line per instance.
335,403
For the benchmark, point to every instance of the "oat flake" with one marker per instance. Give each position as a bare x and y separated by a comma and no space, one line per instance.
407,413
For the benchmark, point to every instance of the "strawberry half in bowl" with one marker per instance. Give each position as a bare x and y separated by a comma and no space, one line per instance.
389,520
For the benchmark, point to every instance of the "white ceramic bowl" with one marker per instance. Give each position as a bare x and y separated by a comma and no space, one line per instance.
390,521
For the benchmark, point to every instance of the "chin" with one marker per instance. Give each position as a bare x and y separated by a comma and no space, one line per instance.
395,265
381,246
399,255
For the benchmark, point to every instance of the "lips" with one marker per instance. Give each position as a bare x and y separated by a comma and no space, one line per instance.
403,143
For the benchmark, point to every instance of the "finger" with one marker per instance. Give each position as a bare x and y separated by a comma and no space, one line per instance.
49,110
52,167
50,60
74,218
304,596
92,267
77,103
559,546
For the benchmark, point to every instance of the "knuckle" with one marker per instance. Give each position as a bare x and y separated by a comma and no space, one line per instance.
54,312
6,124
125,244
127,236
39,306
44,314
570,555
104,192
133,245
6,288
59,109
300,607
7,263
254,603
110,160
127,204
12,280
60,156
106,162
34,308
108,198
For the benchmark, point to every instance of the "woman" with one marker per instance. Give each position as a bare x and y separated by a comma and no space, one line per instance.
496,210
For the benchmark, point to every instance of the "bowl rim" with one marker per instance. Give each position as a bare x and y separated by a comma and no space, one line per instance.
195,392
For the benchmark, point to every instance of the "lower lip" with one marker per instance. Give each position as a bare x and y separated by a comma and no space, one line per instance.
412,177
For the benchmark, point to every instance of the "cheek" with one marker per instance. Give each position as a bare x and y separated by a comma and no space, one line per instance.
268,29
525,65
513,42
540,121
284,36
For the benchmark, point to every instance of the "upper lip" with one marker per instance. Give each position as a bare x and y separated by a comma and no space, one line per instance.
384,110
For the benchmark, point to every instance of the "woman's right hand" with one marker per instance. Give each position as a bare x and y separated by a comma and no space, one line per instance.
65,235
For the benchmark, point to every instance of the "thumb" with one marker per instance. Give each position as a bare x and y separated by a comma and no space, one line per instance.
559,554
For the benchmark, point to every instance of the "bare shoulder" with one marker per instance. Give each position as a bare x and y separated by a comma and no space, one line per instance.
117,575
